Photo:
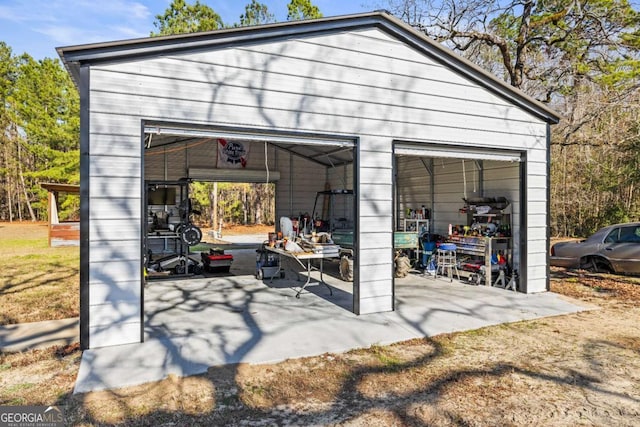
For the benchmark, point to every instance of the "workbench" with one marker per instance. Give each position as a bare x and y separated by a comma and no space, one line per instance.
304,259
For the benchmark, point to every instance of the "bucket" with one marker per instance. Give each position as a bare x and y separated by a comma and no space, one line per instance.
269,272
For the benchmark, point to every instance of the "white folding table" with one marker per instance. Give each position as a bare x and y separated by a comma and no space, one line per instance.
304,260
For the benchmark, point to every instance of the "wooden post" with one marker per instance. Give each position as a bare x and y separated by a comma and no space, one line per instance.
51,201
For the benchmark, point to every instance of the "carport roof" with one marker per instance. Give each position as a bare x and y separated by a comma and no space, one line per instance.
62,188
75,56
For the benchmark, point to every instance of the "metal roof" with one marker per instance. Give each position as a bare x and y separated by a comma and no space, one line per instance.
75,56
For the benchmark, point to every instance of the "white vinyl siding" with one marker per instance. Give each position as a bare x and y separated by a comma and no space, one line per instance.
376,206
114,228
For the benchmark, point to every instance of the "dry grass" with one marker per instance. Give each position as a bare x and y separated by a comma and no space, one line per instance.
554,371
38,282
599,288
42,283
579,369
38,377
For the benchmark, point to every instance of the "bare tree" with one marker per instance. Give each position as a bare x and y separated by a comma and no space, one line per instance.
544,47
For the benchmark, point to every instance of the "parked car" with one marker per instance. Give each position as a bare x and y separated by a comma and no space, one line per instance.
613,249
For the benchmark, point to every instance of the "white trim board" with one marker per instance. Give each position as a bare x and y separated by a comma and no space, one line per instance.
457,152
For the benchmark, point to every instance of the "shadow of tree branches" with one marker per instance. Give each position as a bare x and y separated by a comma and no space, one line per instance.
225,396
373,386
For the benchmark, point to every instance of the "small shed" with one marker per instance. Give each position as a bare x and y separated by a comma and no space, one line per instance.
359,102
65,233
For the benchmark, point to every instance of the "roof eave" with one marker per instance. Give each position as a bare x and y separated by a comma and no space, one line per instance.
73,56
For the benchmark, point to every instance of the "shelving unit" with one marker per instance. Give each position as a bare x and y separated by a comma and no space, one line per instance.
488,234
484,248
163,197
415,225
485,211
409,236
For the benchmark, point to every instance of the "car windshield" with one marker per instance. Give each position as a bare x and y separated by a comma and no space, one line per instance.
627,234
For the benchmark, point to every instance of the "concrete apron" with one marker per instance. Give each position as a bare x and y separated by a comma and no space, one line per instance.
194,324
34,335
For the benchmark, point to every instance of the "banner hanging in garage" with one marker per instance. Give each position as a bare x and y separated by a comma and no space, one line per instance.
232,154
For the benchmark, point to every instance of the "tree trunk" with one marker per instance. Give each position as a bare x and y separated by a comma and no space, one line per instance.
26,198
521,44
258,200
8,188
24,188
244,204
214,206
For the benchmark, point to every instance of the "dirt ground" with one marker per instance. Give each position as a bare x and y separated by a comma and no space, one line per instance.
232,230
572,370
208,235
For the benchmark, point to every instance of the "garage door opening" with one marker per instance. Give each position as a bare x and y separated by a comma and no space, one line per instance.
293,173
469,200
188,223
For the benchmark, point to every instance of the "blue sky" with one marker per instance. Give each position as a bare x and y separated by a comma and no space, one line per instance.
37,27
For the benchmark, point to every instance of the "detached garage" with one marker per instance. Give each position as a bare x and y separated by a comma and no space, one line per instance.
361,102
